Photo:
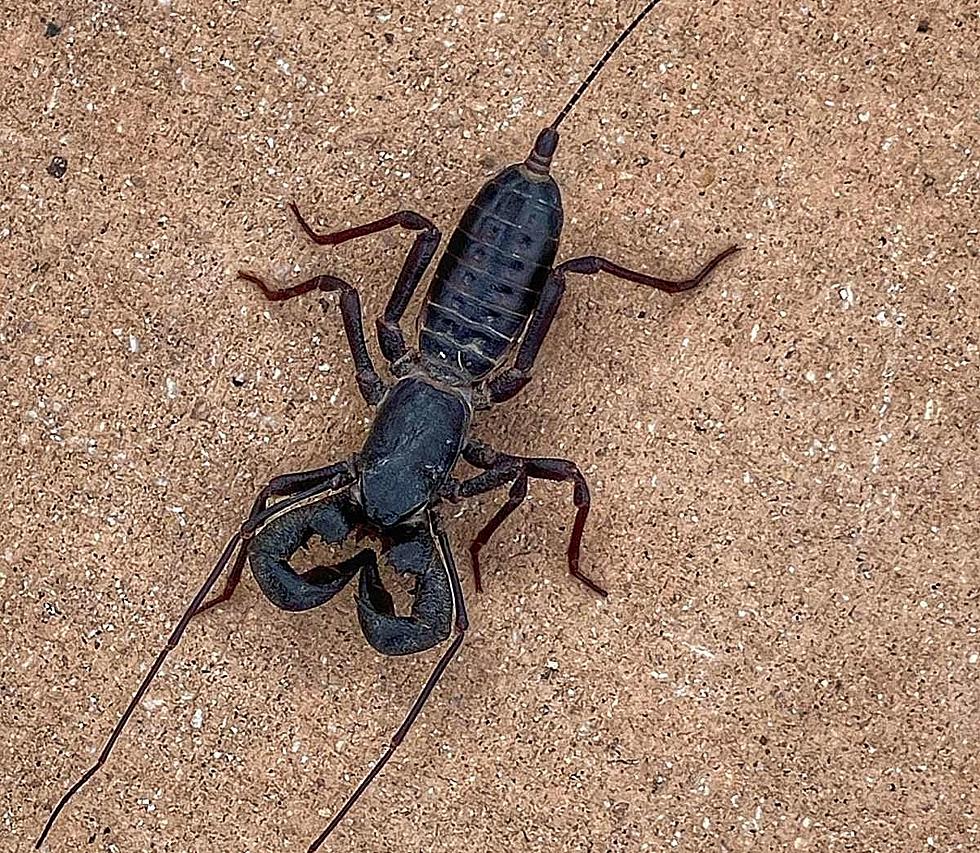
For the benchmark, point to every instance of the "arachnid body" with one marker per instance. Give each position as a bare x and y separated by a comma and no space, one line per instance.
493,297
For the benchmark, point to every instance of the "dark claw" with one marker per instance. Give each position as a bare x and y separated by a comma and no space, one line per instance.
273,546
432,609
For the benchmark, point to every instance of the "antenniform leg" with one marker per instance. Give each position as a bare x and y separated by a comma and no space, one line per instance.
511,381
501,468
368,381
234,544
330,477
447,565
390,334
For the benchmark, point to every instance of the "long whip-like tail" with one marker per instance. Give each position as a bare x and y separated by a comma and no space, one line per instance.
602,61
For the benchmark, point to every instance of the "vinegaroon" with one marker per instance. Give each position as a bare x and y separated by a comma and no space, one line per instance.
495,289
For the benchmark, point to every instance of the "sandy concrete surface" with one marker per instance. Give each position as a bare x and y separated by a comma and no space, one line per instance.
783,464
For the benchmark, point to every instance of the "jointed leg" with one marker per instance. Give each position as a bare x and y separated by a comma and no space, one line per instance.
562,470
501,467
390,335
511,381
518,492
368,381
592,264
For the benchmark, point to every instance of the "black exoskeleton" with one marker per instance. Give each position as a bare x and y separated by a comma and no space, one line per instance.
488,309
489,281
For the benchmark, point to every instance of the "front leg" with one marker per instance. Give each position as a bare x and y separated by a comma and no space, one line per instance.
442,563
237,543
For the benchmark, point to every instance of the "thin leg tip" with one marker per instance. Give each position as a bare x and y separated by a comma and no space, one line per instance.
44,834
585,580
598,590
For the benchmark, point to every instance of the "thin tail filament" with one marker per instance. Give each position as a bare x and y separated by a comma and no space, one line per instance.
602,61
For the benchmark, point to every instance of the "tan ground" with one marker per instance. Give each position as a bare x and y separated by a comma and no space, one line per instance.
783,465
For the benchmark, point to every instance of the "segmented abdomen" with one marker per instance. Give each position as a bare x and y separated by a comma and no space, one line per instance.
489,280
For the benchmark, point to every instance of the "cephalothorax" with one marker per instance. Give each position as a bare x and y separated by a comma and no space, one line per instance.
488,309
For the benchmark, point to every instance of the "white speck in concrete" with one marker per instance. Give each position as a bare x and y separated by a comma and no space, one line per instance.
701,651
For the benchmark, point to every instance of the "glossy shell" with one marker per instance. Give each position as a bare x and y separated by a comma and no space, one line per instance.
490,278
